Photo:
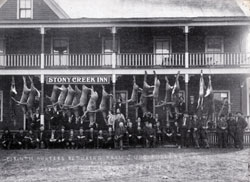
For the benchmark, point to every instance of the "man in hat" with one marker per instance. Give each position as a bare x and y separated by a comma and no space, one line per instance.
231,122
6,139
61,138
241,125
52,138
18,140
81,138
222,131
42,138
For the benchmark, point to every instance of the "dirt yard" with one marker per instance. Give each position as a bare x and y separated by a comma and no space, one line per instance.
140,165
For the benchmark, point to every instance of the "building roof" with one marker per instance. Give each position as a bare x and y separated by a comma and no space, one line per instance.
152,8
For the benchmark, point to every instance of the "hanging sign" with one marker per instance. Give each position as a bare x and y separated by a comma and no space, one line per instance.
78,79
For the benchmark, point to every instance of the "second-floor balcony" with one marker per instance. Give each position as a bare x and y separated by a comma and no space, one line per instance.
125,60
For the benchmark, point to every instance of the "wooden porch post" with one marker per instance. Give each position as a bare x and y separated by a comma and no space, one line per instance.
186,31
114,96
114,48
186,91
42,32
42,101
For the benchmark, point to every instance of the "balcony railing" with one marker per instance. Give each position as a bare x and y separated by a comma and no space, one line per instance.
219,59
20,60
78,60
125,60
142,60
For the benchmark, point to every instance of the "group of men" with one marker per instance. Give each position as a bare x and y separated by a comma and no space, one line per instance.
183,130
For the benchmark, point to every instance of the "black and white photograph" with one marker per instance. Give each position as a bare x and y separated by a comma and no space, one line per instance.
124,90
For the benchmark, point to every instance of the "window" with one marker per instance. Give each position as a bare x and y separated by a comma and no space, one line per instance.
107,45
107,49
1,106
60,50
214,44
25,9
61,46
214,48
219,97
162,48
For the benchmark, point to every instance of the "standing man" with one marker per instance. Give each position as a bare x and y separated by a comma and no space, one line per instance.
231,122
241,125
222,131
192,106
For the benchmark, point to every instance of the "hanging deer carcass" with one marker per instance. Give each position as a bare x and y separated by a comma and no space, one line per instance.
24,97
103,107
134,96
167,98
210,97
13,94
53,97
75,103
201,92
156,87
144,92
91,107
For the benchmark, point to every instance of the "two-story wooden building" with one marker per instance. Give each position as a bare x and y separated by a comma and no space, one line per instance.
119,39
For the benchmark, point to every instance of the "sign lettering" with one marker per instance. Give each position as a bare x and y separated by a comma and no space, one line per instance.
81,79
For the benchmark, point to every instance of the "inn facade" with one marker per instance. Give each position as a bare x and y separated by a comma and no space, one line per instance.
108,42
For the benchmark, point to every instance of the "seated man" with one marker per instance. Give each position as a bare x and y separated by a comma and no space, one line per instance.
110,138
7,139
195,125
177,134
100,139
52,138
91,138
131,134
30,140
81,138
203,132
158,131
169,134
140,138
119,135
42,138
61,138
150,135
71,140
18,141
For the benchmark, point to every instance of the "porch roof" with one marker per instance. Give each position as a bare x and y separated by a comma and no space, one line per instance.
117,9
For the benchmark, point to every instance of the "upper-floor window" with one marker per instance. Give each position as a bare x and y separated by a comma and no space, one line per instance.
60,45
107,45
214,44
162,49
25,9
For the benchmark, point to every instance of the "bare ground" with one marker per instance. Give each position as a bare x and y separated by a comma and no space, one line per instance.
146,165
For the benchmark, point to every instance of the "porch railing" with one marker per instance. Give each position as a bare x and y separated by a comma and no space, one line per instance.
150,60
126,60
20,60
78,60
219,59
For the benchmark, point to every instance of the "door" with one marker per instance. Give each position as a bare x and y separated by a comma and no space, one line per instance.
214,50
2,51
107,50
61,52
162,51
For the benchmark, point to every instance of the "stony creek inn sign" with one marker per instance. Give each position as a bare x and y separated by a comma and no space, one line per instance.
47,44
79,79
